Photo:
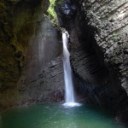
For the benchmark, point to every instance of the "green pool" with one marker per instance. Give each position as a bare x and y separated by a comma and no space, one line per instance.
56,116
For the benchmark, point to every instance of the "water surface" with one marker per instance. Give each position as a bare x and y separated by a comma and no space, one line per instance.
56,116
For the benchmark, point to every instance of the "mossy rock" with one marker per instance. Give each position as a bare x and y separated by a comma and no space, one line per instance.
18,19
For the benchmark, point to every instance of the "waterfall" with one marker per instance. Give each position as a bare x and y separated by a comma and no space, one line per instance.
69,90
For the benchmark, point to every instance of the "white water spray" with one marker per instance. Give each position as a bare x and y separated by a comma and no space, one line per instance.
69,90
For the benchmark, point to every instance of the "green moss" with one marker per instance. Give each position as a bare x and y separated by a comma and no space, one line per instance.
51,10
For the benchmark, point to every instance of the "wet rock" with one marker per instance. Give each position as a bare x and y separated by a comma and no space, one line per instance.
111,36
66,12
19,22
110,18
16,30
96,43
42,81
49,88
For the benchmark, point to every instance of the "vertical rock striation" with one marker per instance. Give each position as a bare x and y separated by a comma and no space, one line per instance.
110,17
98,35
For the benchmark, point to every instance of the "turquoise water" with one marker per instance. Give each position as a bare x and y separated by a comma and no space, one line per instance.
56,116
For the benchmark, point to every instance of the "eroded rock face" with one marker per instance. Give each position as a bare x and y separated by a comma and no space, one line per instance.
100,81
14,35
46,86
18,19
111,20
43,80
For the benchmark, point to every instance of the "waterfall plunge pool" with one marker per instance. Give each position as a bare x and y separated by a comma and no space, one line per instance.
56,116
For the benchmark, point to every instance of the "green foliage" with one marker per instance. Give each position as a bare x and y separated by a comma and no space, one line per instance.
51,10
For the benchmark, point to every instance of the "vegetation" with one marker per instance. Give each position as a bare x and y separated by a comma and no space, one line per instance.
51,11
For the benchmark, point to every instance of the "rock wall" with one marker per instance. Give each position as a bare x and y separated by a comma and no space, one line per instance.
14,35
31,55
47,86
99,77
18,19
110,17
94,26
42,80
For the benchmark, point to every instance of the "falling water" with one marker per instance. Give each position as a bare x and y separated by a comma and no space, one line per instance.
69,91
